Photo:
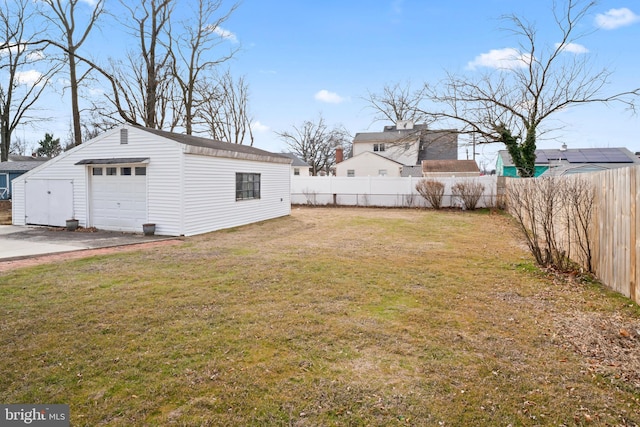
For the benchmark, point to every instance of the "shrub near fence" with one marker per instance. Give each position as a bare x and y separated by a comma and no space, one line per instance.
380,191
611,228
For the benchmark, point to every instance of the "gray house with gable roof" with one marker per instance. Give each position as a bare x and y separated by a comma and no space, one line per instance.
16,166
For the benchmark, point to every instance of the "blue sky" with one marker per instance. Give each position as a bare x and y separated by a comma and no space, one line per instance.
303,59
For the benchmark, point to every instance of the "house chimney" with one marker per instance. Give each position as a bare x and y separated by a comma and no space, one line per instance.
339,155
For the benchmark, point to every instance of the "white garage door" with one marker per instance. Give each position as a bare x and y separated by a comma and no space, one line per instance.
118,197
48,201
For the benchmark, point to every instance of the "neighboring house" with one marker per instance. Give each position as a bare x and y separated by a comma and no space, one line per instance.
369,164
132,175
16,166
566,161
298,166
404,144
450,168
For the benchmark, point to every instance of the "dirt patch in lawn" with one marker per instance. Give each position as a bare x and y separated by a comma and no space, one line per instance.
5,212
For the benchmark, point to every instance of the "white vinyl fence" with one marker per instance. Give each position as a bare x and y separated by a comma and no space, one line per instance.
380,191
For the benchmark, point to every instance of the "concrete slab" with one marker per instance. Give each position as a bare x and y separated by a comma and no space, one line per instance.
20,242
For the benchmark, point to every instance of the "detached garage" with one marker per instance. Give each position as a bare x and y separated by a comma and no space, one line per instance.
132,175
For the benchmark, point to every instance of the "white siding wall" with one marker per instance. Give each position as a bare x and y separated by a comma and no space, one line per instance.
401,152
210,199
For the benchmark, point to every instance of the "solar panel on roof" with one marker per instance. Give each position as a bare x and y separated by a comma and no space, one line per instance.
576,157
541,158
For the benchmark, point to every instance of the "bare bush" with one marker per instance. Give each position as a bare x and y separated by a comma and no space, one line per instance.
469,192
409,200
311,196
579,198
554,214
432,191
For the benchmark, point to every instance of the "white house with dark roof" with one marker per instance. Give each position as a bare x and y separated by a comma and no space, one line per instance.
132,175
298,166
398,150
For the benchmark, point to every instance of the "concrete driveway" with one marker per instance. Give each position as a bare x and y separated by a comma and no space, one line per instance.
20,242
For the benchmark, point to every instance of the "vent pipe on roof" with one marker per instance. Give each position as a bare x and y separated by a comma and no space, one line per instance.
563,147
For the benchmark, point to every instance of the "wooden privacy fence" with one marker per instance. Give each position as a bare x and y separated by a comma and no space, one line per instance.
612,228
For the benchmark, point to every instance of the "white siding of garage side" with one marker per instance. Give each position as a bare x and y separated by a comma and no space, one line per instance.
210,198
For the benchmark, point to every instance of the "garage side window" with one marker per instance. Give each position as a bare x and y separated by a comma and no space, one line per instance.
112,171
125,171
141,170
96,171
247,186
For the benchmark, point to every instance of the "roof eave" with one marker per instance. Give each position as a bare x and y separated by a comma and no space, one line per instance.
213,152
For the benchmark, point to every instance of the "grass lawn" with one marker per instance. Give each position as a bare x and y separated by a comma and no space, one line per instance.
327,317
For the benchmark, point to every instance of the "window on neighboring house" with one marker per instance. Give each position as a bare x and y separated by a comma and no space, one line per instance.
351,172
112,171
96,171
125,171
382,172
378,147
296,171
247,186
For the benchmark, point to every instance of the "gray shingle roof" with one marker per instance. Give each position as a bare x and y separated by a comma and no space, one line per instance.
450,166
217,146
20,166
297,161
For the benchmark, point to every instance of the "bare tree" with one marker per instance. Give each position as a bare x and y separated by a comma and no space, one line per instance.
398,102
24,84
315,143
143,81
19,146
510,105
191,52
66,20
224,109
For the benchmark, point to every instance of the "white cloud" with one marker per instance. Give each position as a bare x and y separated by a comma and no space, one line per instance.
28,77
573,48
259,127
328,97
91,3
616,18
225,34
507,58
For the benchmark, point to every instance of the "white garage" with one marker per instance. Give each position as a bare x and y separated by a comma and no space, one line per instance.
132,175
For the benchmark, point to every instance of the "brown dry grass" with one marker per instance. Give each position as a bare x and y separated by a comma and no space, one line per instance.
327,317
5,212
